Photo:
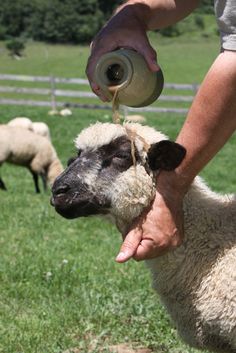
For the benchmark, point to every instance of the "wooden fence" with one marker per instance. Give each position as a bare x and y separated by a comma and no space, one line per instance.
11,87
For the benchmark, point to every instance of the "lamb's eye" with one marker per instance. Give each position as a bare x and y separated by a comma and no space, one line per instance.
122,155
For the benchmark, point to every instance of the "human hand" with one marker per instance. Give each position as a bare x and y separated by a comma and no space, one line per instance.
158,230
126,29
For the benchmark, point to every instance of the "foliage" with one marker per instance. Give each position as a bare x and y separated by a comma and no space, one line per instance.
68,21
206,7
192,23
57,21
15,47
107,7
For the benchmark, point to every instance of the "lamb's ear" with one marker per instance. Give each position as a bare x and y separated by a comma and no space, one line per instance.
165,155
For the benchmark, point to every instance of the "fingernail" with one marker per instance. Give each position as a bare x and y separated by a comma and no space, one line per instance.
120,256
124,256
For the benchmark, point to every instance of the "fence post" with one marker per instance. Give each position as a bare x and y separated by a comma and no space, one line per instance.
53,95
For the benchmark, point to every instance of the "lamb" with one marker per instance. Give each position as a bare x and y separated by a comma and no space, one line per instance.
114,174
38,127
25,148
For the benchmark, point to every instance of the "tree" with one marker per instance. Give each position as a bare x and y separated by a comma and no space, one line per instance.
68,21
15,47
64,21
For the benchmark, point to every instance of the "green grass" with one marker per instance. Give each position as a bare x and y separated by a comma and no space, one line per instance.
60,285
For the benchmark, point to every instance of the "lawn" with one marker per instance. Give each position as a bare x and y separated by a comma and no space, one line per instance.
60,285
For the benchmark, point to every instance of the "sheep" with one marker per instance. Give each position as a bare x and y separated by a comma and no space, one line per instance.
21,122
42,129
65,112
23,147
38,127
114,174
134,118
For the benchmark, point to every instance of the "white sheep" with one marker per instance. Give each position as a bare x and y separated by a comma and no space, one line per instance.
25,148
135,118
21,121
115,174
38,127
42,129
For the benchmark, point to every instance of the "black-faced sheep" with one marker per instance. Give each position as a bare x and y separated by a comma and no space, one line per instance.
196,281
25,148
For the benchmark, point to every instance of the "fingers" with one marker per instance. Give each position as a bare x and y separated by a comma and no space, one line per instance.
99,48
148,249
97,90
91,64
130,245
148,53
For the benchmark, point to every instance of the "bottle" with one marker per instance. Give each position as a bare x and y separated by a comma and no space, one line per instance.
125,72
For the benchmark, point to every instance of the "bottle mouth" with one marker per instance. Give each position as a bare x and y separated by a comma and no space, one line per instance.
115,74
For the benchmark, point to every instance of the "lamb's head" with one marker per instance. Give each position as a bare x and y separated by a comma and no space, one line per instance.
114,171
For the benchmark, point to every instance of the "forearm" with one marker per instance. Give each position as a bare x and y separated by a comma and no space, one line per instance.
156,14
211,119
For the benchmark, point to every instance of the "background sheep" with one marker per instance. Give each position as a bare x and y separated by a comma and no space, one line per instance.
196,281
22,147
135,118
38,127
21,122
42,129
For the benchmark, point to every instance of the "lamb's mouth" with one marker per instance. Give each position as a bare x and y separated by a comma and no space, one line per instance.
75,207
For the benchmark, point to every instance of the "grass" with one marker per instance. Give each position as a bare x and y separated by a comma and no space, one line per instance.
60,285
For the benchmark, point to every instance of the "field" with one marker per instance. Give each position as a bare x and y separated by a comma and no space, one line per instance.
60,286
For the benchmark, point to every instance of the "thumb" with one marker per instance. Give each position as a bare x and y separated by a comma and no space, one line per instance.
130,245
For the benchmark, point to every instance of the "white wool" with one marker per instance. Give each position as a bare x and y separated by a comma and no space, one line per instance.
92,137
65,112
135,118
133,191
41,128
21,121
25,148
38,127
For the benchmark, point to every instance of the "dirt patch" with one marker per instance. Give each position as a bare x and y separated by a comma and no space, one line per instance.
125,348
119,348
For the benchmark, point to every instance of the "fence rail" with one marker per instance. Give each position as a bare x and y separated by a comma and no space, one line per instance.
52,93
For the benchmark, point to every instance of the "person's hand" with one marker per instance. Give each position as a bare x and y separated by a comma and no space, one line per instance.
159,229
124,30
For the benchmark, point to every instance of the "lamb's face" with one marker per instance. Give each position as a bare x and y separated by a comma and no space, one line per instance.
102,178
85,187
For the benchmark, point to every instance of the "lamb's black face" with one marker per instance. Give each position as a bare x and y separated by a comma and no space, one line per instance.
86,186
83,189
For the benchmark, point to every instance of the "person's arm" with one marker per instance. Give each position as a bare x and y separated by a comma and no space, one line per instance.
157,14
209,124
128,28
